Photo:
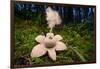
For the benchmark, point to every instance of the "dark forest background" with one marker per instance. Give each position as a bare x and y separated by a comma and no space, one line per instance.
77,29
67,13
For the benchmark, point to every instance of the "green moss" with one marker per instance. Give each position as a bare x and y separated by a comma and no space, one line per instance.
78,36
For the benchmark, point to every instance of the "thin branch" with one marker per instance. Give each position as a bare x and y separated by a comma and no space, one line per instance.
79,55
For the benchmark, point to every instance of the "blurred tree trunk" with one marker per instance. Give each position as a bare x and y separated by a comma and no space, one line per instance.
65,15
70,14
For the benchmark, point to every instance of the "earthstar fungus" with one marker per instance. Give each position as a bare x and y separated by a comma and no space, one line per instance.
49,43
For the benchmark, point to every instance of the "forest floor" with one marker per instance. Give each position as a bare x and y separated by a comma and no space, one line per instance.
77,36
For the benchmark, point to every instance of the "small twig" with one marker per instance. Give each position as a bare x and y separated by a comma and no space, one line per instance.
79,55
62,57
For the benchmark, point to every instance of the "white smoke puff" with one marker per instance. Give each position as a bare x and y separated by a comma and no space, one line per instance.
52,17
